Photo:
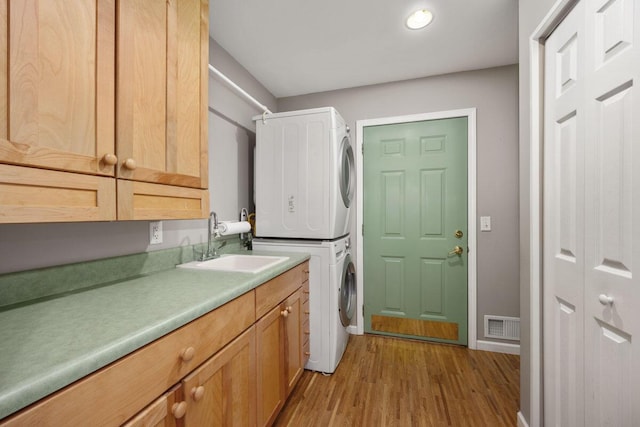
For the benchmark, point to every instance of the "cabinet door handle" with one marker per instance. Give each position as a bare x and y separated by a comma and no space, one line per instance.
179,409
129,164
109,159
197,393
285,313
306,353
187,354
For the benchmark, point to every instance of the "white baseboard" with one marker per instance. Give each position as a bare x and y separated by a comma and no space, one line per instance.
353,329
521,421
499,347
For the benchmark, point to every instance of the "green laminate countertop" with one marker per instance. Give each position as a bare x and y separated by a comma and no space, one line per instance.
52,342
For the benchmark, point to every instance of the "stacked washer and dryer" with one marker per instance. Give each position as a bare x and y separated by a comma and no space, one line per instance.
304,186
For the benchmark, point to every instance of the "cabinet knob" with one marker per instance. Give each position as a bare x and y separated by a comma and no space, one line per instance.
306,353
179,409
129,164
187,354
285,313
197,393
109,159
289,309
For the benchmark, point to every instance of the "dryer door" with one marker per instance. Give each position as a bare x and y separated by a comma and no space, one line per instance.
347,171
347,302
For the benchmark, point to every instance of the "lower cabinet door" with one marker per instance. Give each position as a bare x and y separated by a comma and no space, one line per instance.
271,357
294,357
164,412
222,392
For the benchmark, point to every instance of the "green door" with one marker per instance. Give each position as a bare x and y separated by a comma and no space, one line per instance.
415,215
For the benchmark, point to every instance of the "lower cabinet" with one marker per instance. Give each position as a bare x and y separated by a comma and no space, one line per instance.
280,356
234,366
222,392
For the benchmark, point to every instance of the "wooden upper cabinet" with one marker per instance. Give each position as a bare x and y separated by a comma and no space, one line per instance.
69,105
162,91
57,85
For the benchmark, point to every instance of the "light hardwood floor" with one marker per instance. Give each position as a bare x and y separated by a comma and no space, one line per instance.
384,381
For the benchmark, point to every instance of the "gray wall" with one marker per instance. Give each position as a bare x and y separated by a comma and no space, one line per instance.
530,14
27,246
494,92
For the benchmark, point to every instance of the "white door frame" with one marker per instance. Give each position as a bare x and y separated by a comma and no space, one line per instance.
470,114
558,12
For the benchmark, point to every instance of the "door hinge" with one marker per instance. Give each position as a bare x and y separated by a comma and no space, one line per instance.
362,310
362,232
362,149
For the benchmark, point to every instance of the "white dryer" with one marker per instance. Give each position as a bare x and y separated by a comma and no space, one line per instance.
304,174
332,296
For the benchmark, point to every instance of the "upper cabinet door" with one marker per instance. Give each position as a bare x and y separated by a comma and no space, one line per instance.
162,91
57,84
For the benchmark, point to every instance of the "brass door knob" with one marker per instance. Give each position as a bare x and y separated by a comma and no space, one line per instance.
457,250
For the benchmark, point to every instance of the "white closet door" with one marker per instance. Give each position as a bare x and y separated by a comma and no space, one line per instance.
563,248
591,250
612,214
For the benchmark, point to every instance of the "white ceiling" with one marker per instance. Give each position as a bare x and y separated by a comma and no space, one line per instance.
296,47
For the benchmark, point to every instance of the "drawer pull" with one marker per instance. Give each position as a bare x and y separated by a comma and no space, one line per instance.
306,353
187,354
179,409
305,292
306,312
197,393
307,332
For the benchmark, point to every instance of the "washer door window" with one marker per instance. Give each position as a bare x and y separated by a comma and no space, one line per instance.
347,170
347,292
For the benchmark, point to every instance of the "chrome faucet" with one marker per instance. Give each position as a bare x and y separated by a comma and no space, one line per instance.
212,232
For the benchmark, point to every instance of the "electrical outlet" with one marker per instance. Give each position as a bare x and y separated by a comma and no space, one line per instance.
155,232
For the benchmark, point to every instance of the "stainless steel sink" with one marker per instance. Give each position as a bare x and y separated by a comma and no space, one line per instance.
239,263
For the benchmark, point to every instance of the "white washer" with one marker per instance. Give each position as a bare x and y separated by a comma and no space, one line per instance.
332,296
304,174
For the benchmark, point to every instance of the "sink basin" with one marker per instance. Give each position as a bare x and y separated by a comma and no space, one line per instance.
238,263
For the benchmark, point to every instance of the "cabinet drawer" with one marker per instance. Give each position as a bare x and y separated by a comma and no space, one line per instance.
131,383
38,195
277,289
142,200
305,271
305,291
306,332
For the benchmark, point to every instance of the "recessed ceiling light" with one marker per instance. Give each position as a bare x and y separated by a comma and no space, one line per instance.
419,19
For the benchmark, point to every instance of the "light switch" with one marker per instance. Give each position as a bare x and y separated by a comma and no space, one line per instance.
485,223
